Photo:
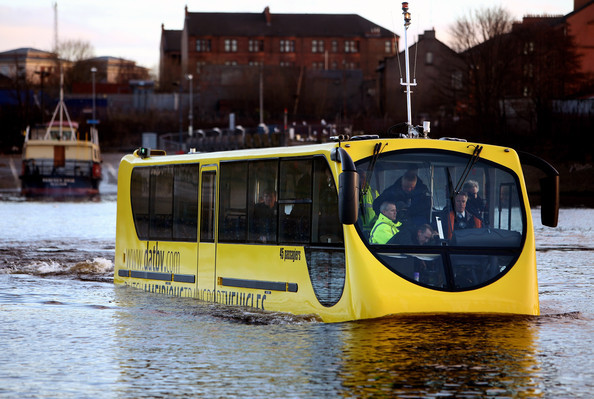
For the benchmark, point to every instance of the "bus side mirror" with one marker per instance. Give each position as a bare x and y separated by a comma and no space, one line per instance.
549,188
549,207
348,197
348,187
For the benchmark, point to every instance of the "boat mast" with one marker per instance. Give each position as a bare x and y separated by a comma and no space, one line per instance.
61,106
408,84
62,109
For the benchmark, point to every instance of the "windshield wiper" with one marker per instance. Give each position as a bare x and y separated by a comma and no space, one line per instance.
473,159
377,149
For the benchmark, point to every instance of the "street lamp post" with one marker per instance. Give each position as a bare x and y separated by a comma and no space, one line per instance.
178,106
191,116
93,71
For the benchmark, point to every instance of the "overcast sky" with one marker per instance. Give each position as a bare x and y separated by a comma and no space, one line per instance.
131,29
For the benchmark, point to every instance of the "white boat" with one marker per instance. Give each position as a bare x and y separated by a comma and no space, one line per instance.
57,161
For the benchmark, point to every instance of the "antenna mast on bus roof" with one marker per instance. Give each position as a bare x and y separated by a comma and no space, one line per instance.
408,84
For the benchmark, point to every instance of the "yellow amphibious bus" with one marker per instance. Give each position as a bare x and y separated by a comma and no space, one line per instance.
288,229
358,228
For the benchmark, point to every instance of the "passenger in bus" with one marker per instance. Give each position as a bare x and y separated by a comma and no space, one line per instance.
475,205
460,218
386,226
410,235
265,217
424,235
411,196
427,270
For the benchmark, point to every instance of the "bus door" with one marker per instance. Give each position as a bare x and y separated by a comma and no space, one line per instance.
206,272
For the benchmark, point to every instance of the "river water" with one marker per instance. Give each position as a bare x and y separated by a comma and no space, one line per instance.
66,331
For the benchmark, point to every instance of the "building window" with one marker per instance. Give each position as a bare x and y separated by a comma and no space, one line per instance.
287,46
254,63
230,63
429,58
317,46
457,80
230,45
389,46
335,46
199,65
255,46
317,65
286,63
351,46
350,66
203,45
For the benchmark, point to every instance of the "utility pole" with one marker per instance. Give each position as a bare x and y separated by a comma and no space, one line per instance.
55,27
93,72
261,92
191,116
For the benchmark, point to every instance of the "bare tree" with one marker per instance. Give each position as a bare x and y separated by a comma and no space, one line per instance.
482,39
75,50
75,54
480,26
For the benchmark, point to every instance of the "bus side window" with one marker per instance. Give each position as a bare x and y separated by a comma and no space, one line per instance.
140,194
208,191
165,202
185,202
161,224
233,202
295,201
262,200
326,227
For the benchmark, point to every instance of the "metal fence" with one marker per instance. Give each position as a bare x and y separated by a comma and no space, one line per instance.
207,140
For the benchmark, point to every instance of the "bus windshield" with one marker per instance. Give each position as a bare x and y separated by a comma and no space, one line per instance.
442,219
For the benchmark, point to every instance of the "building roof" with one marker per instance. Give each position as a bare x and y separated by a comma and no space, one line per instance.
171,40
297,25
111,60
579,6
27,52
426,36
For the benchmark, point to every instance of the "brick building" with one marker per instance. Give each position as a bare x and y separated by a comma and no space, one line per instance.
29,63
311,41
439,73
117,70
580,24
170,59
296,57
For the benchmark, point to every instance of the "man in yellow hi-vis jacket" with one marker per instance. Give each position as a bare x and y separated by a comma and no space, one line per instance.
386,226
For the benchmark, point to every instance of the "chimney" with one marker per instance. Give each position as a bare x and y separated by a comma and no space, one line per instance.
577,4
267,16
186,8
429,34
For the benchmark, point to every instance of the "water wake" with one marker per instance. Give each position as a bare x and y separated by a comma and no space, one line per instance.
98,269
